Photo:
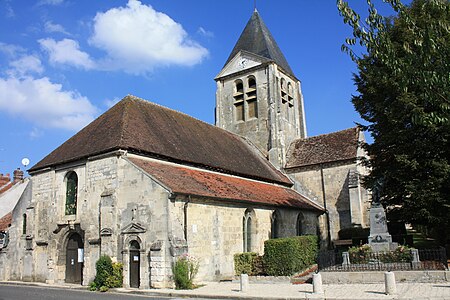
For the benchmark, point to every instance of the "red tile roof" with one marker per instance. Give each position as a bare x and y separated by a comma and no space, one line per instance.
146,128
335,146
189,181
5,222
6,187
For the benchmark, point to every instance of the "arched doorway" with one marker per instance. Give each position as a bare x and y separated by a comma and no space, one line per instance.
74,259
135,264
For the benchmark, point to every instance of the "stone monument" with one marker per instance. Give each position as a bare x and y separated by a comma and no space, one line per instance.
379,239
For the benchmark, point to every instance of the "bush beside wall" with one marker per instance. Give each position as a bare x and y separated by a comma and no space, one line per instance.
244,263
286,256
108,275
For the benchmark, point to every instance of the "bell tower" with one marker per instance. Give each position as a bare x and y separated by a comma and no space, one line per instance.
258,95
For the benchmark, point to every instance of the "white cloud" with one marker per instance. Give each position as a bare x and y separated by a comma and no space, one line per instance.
25,65
36,133
50,2
110,103
51,27
11,50
8,11
137,38
204,32
67,52
45,103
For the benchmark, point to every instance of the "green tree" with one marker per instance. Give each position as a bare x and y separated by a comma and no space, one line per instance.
403,85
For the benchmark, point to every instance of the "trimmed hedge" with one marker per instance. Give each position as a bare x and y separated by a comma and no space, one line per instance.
286,256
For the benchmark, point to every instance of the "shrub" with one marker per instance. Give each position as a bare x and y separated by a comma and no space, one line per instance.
363,254
184,271
108,275
104,269
115,280
360,254
400,254
248,263
286,256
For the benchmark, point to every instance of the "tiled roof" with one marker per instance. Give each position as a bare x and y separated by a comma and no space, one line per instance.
143,127
6,187
191,181
9,199
5,222
335,146
256,38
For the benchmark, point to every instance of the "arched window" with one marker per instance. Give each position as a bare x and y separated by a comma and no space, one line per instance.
239,100
71,193
275,226
300,224
247,230
24,224
252,100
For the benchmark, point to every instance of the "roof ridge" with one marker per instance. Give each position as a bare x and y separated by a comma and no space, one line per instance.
324,134
148,102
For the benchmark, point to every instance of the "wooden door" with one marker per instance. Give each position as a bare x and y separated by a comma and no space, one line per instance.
74,259
135,264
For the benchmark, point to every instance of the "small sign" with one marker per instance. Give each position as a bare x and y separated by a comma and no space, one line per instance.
194,228
135,258
80,255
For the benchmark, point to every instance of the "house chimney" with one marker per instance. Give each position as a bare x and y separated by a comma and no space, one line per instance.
4,179
17,175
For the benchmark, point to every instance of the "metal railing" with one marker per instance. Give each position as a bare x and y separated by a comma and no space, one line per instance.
428,259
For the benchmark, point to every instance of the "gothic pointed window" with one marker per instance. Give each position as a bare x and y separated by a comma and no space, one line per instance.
71,193
247,230
251,97
239,100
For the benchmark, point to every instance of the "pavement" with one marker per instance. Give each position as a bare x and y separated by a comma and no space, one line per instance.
256,291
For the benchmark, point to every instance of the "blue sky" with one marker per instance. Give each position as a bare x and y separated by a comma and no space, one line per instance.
64,62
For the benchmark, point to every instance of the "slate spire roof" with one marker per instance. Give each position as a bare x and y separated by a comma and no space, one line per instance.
257,39
145,128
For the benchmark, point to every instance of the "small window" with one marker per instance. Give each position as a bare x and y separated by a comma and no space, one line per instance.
71,193
252,109
239,101
252,99
239,87
134,245
275,226
300,224
24,224
247,230
245,100
252,83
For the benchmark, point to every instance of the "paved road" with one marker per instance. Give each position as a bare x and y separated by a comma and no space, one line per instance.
17,292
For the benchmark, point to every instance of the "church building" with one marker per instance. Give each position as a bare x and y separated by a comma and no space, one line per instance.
145,184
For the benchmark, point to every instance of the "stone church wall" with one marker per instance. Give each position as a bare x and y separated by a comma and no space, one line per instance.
215,232
341,197
132,206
